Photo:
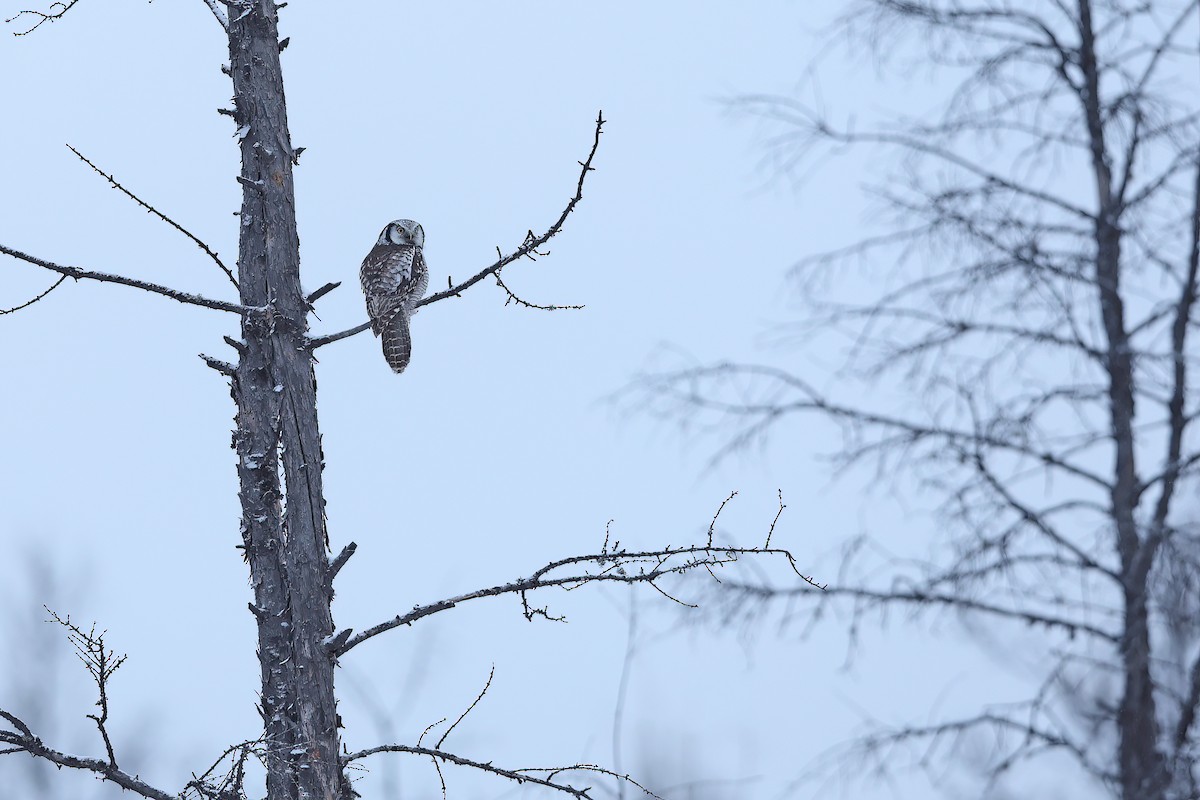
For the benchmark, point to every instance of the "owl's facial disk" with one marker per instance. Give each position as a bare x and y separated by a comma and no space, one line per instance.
403,232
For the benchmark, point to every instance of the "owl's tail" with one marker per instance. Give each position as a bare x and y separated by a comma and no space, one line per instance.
397,342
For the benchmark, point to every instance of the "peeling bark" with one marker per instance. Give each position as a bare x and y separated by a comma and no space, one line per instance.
277,439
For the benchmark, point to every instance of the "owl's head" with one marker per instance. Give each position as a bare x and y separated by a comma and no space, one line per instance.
402,232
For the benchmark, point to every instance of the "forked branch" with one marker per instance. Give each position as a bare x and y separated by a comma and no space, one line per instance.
101,663
53,14
22,740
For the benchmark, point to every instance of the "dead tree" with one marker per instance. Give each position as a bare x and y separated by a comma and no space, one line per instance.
1032,294
279,463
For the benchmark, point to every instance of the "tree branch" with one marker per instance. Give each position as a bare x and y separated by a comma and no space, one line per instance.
23,741
520,776
219,13
208,251
920,597
28,303
56,12
103,277
611,564
528,248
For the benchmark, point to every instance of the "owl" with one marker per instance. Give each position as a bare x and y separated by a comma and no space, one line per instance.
394,278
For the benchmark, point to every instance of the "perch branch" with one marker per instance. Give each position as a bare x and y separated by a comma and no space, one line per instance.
527,249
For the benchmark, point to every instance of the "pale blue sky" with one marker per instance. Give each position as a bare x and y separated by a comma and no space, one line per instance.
495,452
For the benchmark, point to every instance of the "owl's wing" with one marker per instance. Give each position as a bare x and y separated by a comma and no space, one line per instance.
420,278
386,277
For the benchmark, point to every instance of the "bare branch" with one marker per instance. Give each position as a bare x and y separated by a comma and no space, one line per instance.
100,663
470,708
103,277
223,367
513,298
335,566
520,776
324,290
528,248
219,13
23,741
611,566
55,13
208,251
28,303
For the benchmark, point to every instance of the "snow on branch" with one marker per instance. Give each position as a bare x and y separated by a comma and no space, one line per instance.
219,13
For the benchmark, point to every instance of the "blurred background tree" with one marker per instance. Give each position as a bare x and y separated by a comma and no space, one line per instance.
1021,348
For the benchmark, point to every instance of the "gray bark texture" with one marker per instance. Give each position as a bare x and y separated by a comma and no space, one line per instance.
274,387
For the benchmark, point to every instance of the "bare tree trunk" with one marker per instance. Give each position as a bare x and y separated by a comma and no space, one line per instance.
274,387
1141,765
280,462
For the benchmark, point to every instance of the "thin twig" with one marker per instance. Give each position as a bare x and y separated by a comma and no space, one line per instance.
513,298
152,210
28,303
470,708
57,10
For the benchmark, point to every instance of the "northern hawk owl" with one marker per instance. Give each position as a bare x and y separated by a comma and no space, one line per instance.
394,279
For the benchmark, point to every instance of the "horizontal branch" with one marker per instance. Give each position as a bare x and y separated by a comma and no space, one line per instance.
22,740
815,127
920,597
104,277
520,776
527,249
613,568
687,387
